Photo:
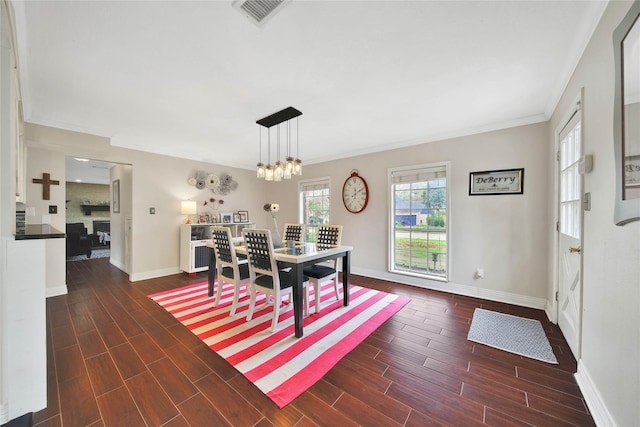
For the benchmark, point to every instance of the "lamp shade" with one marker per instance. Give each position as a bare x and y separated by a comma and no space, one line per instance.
188,207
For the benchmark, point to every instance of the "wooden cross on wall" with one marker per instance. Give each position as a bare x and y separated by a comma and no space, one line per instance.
46,182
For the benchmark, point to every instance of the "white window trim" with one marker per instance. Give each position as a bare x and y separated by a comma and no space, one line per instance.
306,182
391,218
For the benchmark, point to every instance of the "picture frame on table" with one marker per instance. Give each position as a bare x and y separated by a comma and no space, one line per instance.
204,218
236,217
244,216
504,181
226,218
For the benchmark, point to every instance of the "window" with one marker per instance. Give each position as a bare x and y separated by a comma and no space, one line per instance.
315,205
419,220
570,181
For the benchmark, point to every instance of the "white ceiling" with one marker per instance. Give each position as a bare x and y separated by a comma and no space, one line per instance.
190,78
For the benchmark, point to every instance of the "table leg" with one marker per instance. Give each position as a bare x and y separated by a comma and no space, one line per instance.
346,266
298,297
212,270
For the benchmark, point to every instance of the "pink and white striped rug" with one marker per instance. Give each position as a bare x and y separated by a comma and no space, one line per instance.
279,364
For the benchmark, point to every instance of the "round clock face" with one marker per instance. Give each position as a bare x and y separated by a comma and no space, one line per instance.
355,193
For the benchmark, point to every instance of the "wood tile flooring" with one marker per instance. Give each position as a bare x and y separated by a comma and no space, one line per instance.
115,358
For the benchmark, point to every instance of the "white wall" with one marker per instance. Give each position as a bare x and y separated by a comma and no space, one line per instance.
155,181
609,368
503,234
120,239
39,162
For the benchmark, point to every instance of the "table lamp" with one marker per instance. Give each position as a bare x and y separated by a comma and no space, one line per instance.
188,207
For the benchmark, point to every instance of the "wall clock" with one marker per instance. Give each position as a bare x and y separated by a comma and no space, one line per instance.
355,193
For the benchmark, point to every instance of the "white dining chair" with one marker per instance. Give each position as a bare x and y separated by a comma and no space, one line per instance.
229,267
266,277
322,273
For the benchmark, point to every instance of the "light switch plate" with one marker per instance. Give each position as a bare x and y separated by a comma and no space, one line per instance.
586,202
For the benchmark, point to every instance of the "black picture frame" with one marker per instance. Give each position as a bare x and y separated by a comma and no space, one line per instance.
244,216
496,182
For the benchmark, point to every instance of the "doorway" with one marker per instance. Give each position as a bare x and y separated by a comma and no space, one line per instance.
570,217
87,208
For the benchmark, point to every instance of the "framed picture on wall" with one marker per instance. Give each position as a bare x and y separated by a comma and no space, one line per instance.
115,198
505,181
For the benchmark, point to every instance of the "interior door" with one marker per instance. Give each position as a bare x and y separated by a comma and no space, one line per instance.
570,234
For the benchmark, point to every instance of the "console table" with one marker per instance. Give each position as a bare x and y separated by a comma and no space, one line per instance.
194,254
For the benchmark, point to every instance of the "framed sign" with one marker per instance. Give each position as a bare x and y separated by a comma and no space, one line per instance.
505,181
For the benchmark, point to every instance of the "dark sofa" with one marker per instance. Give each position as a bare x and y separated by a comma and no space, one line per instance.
78,242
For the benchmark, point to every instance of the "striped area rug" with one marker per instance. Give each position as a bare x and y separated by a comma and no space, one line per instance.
279,364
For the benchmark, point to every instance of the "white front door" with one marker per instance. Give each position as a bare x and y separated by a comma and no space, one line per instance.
570,235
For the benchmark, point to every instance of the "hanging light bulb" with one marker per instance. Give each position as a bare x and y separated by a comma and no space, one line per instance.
260,165
288,168
278,172
297,164
268,171
288,165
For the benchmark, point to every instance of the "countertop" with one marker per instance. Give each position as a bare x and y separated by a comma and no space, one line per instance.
39,231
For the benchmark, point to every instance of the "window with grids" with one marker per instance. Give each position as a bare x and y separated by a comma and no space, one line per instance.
570,181
419,220
315,205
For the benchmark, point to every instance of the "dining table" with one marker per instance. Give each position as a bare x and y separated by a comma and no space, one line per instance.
296,256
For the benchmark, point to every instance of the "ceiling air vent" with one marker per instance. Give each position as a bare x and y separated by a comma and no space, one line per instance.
259,11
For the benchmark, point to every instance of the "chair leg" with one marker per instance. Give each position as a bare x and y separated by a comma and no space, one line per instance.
218,291
236,293
276,313
306,299
336,287
252,304
316,287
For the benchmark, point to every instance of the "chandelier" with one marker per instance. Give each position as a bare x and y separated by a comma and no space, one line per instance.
280,171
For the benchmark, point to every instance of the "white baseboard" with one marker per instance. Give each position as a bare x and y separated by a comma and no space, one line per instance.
119,265
597,407
55,291
552,312
471,291
153,274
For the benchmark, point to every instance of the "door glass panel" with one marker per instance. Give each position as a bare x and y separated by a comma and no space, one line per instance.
570,182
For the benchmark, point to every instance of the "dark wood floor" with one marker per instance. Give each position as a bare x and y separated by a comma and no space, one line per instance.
115,358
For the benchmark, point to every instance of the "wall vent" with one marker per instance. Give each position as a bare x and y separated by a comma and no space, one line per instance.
259,11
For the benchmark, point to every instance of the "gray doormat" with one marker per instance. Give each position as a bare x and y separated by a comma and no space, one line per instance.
511,333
